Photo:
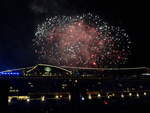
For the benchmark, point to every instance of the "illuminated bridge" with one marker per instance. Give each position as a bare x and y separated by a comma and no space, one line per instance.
47,83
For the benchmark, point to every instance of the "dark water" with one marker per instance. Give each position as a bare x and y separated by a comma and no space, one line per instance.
98,106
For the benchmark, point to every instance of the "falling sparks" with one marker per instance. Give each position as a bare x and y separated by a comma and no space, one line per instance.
82,41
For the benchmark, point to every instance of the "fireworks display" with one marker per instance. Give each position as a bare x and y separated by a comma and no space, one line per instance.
81,41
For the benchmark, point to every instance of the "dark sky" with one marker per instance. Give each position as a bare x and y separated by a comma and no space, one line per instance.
19,19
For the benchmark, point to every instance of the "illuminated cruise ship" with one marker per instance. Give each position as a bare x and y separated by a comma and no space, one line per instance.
51,84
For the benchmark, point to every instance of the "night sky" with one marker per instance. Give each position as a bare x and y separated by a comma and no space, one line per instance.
19,19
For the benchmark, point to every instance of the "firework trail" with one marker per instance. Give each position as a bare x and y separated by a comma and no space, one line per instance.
82,40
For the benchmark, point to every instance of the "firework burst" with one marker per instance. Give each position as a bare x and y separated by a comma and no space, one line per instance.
84,41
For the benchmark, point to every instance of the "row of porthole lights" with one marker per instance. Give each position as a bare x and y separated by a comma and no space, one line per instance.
109,96
137,95
42,98
82,98
28,99
9,73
